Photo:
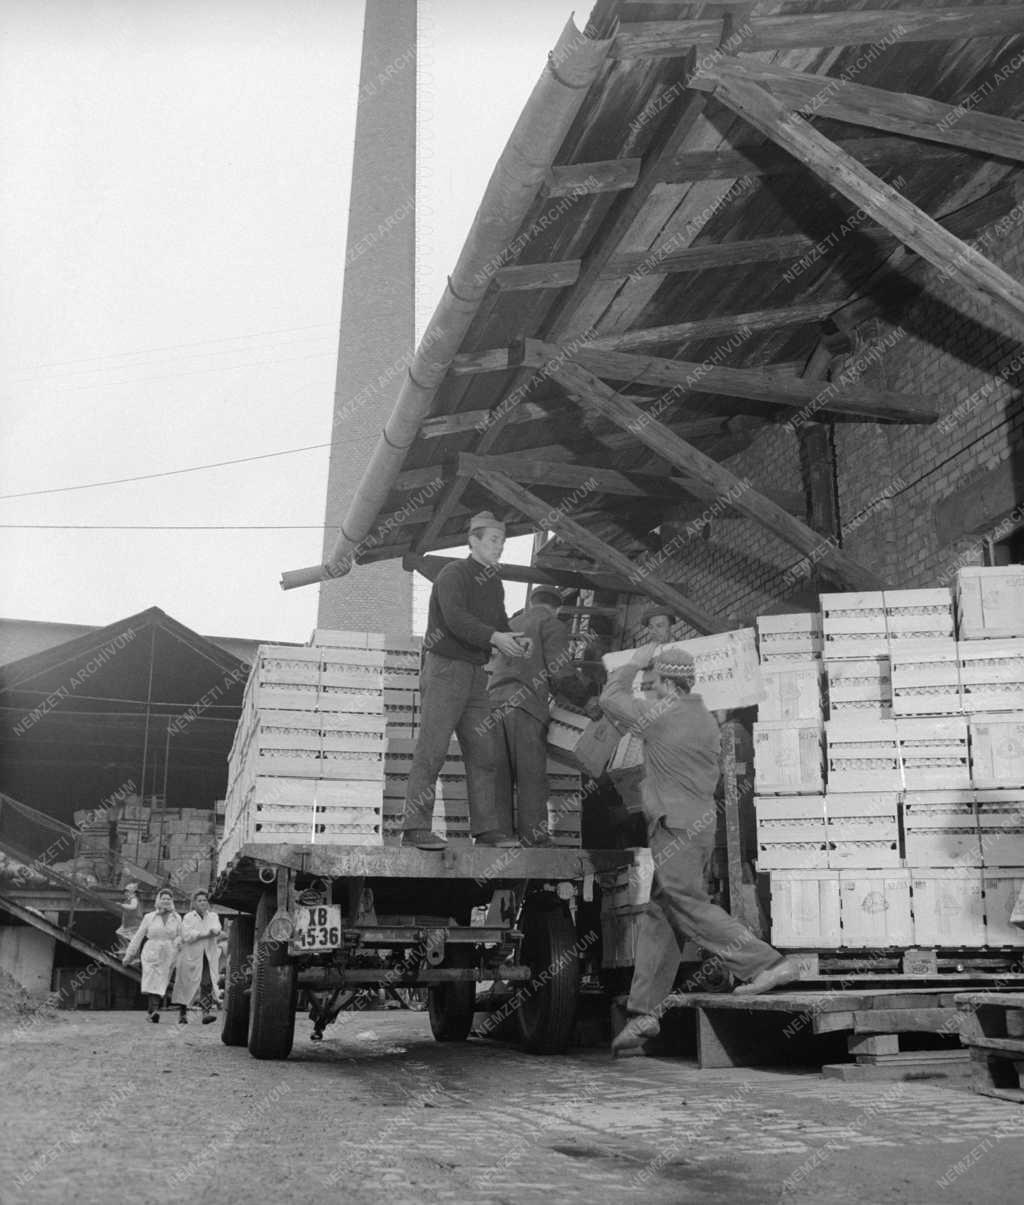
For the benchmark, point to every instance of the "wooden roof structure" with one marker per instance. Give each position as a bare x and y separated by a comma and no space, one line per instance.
740,184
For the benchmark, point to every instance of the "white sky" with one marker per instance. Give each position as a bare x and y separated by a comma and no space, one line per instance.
174,181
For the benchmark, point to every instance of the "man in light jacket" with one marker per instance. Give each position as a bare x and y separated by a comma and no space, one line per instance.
681,743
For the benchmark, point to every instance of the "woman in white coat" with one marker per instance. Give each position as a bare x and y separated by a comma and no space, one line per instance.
158,938
198,960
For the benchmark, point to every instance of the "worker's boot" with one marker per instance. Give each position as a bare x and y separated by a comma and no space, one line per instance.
423,838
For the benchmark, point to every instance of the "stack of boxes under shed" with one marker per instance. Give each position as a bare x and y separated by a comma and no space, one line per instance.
307,763
916,835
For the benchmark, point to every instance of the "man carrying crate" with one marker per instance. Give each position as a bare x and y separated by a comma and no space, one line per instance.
681,742
466,621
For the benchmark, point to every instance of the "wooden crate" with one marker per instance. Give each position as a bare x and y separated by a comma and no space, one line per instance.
934,753
862,830
332,638
990,602
853,625
859,689
791,832
926,679
991,675
564,731
727,673
917,617
805,909
788,757
875,908
863,755
1001,889
997,751
782,638
1001,827
948,907
793,691
940,829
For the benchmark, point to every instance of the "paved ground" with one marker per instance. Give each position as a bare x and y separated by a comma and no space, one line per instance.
104,1107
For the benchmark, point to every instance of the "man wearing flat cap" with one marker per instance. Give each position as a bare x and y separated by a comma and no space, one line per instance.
681,743
520,691
658,619
466,622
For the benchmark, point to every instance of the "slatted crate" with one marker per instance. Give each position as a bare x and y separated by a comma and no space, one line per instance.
990,602
859,689
991,675
863,755
334,638
917,617
782,638
791,832
875,908
727,673
997,751
934,753
940,829
805,909
630,886
564,731
793,691
788,757
1001,888
926,679
862,830
948,907
1001,827
400,751
853,626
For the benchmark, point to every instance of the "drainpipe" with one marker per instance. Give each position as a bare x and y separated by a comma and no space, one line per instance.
572,67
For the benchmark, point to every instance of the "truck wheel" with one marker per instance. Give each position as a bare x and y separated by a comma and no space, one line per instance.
450,1005
237,982
547,1007
274,993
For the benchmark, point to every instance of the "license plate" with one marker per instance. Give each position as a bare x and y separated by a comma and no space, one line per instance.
318,928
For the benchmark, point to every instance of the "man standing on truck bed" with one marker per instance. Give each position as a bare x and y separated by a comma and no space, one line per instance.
681,741
466,621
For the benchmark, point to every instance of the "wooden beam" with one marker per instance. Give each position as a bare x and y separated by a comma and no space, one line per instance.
556,274
561,475
724,324
431,566
897,112
658,39
913,227
530,412
550,518
755,384
593,393
581,179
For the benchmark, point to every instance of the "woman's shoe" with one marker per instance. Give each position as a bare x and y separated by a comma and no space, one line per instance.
182,1018
155,1018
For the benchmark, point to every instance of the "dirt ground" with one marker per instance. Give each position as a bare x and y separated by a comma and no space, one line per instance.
105,1107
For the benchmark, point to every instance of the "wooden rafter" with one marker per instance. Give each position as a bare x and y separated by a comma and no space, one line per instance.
912,226
430,566
722,324
590,392
858,104
551,518
648,39
609,175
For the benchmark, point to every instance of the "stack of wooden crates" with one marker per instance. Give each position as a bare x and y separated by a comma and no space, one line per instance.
898,820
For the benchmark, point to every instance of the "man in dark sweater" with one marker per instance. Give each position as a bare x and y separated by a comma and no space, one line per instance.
681,741
466,621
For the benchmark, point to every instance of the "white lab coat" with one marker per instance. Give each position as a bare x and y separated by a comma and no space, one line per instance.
198,941
160,931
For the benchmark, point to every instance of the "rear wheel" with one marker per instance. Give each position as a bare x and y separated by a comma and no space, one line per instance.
450,1005
274,994
547,1007
238,982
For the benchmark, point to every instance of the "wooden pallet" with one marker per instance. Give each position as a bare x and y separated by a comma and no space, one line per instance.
992,1028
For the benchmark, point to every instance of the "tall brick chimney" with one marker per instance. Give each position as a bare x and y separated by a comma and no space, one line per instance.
377,306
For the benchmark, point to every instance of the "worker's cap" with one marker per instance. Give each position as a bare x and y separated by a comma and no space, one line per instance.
484,519
654,610
546,595
675,663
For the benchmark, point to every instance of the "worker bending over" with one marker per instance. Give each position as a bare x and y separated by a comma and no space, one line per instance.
520,691
466,621
681,742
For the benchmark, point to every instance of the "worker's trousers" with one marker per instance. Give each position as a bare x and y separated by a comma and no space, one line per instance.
454,700
522,762
681,908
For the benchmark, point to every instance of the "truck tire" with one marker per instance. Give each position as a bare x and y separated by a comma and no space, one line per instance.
274,991
238,981
547,1006
450,1005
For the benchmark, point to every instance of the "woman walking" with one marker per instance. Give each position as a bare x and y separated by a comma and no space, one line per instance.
158,937
198,960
